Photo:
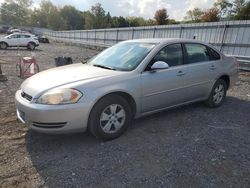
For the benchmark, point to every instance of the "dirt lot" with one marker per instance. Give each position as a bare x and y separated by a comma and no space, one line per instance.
192,146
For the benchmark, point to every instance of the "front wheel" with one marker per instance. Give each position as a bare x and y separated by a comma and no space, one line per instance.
110,117
3,45
217,94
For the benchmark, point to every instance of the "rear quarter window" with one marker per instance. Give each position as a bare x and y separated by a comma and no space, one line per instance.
213,54
26,36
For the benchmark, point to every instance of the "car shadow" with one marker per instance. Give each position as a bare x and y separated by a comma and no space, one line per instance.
80,160
12,49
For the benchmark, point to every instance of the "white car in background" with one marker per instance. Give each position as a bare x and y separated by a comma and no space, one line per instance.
19,40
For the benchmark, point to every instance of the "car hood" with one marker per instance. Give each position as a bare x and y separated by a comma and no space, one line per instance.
60,76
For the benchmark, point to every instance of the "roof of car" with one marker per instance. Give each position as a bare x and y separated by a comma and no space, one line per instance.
171,40
164,40
21,33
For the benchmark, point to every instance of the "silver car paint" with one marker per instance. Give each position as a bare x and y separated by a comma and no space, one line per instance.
150,90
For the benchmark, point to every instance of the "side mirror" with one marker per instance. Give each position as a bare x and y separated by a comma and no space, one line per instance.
159,65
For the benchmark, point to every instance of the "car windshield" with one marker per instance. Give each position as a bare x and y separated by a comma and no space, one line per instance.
123,56
9,36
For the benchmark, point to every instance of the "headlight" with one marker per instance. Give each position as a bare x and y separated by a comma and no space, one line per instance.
60,96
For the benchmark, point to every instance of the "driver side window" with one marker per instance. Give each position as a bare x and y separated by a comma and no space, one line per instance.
14,36
171,54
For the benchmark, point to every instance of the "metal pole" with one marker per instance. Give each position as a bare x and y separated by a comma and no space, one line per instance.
2,77
223,37
133,33
117,32
104,40
181,32
95,36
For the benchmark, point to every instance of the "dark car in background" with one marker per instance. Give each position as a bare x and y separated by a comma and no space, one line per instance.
42,39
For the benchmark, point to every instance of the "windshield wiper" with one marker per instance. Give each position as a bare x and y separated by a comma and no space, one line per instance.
105,67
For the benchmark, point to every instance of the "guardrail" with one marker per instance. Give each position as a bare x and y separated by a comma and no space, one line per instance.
230,37
244,62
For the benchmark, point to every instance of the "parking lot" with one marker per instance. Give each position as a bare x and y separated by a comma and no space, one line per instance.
190,146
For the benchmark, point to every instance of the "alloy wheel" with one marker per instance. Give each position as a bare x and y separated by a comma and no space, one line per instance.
218,94
112,118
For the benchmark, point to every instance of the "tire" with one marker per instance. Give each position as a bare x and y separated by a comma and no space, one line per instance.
31,46
19,70
3,45
218,94
110,117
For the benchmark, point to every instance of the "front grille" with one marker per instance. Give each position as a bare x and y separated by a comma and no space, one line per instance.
26,96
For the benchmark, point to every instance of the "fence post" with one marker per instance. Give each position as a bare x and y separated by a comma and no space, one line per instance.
154,32
133,33
104,40
95,35
117,33
87,35
223,37
181,32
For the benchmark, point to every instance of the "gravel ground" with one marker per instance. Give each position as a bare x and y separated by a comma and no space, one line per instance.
191,146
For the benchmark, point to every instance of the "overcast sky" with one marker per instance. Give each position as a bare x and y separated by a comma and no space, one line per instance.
145,8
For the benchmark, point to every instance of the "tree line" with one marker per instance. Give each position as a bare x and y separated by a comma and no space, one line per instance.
48,15
221,10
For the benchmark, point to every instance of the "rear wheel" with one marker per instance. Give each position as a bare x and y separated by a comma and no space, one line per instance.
218,94
110,117
3,45
31,46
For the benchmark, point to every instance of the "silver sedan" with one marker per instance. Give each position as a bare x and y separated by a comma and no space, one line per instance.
128,80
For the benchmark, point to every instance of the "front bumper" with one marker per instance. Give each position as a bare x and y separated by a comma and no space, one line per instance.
53,118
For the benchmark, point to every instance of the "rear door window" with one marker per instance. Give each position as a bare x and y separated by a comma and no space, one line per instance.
197,53
25,36
171,54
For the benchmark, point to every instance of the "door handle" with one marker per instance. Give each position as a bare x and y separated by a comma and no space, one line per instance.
212,67
180,73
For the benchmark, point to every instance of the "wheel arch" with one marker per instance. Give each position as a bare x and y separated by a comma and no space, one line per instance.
128,97
5,43
226,78
31,42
